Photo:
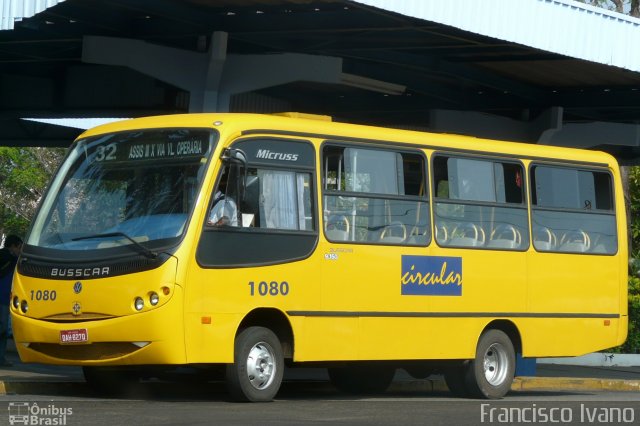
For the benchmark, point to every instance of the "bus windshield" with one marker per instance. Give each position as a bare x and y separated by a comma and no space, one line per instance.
126,188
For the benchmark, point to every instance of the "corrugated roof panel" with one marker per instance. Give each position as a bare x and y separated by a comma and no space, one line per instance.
13,10
77,123
565,27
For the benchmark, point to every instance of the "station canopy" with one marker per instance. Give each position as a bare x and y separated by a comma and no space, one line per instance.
532,68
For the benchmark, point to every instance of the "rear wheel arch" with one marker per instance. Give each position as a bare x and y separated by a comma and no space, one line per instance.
510,329
276,321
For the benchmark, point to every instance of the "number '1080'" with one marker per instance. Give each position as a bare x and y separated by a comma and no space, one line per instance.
43,295
272,288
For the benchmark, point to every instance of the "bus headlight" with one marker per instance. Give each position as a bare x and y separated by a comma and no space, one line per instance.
154,299
16,302
138,303
24,306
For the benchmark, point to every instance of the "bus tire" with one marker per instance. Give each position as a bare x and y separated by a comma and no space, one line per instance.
491,373
454,377
256,374
362,379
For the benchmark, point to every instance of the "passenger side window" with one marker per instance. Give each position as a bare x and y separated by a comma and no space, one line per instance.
573,210
479,203
375,196
279,199
263,210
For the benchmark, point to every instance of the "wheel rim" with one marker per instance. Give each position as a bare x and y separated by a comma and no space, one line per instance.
261,367
496,364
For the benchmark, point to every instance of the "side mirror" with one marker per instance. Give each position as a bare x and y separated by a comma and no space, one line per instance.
237,156
238,159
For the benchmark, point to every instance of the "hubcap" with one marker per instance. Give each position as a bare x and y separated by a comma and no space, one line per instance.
261,368
496,364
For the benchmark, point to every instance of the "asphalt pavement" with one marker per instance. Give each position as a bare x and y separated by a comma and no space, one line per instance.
36,378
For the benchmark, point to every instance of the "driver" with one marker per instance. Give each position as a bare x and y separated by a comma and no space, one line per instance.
225,210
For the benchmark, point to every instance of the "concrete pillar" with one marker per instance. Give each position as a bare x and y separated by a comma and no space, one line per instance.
547,128
212,77
208,97
494,127
589,135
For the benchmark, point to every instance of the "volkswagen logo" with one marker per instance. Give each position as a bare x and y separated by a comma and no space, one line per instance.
77,287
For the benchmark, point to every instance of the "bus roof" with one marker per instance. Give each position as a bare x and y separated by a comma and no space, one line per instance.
318,126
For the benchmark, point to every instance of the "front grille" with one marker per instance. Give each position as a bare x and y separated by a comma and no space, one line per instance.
86,316
94,351
37,268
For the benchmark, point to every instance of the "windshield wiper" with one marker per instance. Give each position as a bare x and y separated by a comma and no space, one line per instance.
145,251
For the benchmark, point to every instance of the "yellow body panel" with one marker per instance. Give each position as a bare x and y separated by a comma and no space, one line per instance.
111,300
344,300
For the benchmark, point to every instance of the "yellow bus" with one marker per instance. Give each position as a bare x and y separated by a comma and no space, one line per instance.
248,242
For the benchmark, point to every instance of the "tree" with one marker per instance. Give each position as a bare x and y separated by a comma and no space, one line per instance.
632,7
631,181
633,340
634,210
24,174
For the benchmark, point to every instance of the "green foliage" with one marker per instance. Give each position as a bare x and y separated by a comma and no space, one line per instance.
24,175
632,345
12,224
634,210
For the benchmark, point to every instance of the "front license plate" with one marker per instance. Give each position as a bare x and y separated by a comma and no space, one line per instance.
80,335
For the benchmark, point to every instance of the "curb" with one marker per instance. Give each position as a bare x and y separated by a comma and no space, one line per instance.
596,359
525,384
572,384
41,388
520,384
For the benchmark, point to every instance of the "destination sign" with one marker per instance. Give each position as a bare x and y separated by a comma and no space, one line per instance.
166,149
153,145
